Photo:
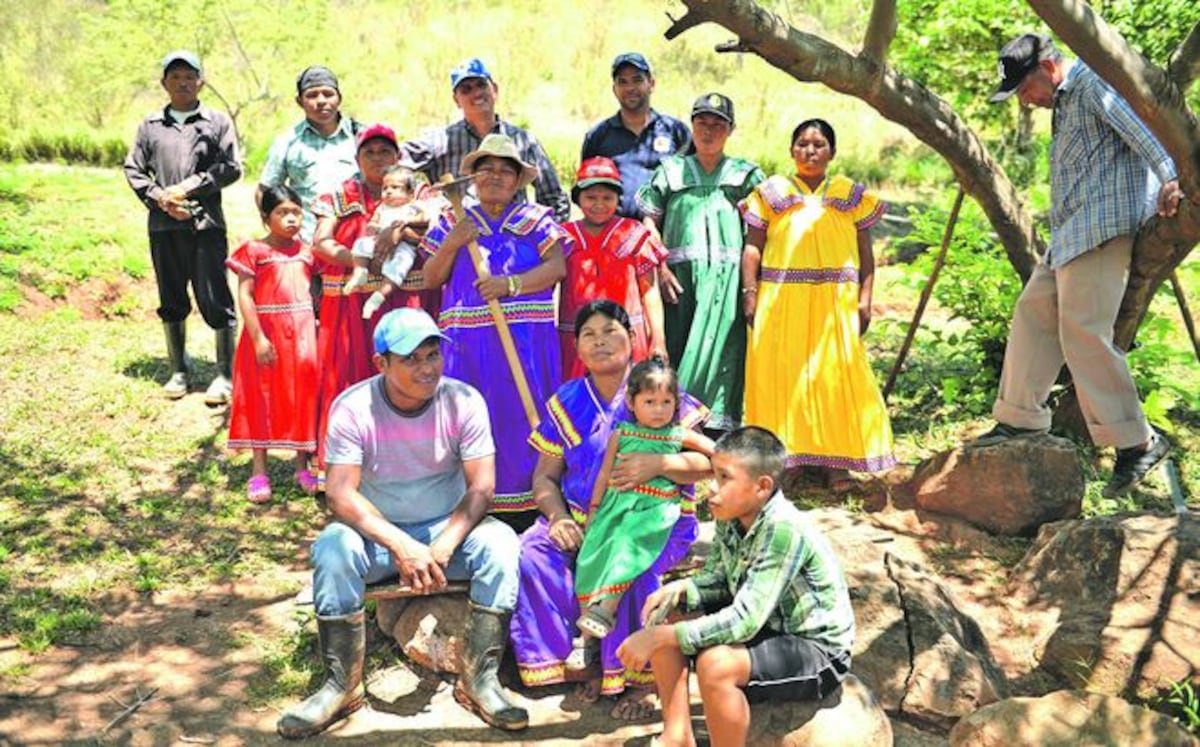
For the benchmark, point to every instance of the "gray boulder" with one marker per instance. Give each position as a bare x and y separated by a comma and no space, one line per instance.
848,717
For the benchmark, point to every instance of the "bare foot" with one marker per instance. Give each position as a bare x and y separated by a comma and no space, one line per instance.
588,692
635,704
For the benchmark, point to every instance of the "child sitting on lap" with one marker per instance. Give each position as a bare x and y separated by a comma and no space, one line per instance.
778,623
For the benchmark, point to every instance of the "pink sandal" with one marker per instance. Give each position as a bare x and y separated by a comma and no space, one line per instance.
258,489
307,481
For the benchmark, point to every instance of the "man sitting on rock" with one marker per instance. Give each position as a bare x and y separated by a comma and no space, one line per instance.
410,479
777,622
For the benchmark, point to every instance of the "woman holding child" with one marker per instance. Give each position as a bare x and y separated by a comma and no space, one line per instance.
571,443
344,337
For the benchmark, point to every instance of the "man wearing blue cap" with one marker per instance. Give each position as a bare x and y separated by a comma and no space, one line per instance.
1108,174
441,151
317,154
182,158
637,137
410,478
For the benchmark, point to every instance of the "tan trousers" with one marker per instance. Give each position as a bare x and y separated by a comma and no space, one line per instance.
1067,316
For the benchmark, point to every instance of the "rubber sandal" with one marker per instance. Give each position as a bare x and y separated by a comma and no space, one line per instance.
596,622
258,489
307,481
585,651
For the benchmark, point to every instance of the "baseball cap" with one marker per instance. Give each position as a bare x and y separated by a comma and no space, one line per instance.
182,55
631,58
472,68
1019,58
593,171
714,103
376,130
402,331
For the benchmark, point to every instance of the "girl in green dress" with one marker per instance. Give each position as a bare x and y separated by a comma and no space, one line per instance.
627,530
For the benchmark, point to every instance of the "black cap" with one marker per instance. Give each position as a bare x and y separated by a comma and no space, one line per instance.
631,58
1019,58
316,75
714,103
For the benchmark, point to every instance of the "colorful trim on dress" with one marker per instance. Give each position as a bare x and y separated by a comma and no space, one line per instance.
504,503
813,276
653,492
606,592
542,673
284,308
562,421
543,445
858,464
615,681
475,317
880,208
239,268
696,417
333,287
254,443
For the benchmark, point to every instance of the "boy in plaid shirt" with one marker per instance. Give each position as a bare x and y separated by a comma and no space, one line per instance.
777,622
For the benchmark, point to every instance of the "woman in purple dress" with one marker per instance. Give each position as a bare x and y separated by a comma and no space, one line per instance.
523,248
571,442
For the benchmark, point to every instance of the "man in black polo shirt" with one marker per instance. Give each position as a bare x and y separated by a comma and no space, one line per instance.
184,155
636,137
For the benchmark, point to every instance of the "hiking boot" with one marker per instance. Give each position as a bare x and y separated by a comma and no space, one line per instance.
1003,432
343,641
177,383
478,688
1133,464
221,388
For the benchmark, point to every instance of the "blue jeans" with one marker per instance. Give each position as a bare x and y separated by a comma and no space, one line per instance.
344,562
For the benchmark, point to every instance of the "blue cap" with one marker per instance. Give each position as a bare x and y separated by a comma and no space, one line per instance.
631,58
182,55
402,331
472,68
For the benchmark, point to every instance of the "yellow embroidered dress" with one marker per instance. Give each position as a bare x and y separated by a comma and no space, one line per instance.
807,374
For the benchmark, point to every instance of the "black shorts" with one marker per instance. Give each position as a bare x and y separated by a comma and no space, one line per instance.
788,667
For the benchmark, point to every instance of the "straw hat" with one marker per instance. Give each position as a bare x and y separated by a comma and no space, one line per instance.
497,145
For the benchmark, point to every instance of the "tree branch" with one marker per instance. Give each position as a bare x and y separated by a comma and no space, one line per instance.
1157,101
810,58
1184,67
679,25
880,31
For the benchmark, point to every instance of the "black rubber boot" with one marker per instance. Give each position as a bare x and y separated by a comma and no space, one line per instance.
343,643
221,388
478,688
177,382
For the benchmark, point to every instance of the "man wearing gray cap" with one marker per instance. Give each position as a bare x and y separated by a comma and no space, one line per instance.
182,158
317,154
411,475
637,138
1108,174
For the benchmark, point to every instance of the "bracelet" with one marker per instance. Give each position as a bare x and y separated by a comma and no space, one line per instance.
514,285
750,289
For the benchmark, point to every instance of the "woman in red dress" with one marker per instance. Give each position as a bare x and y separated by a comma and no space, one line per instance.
614,258
275,367
344,339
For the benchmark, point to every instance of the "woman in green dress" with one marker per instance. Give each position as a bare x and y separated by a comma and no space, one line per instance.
692,201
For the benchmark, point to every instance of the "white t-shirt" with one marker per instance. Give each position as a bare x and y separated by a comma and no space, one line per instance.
411,463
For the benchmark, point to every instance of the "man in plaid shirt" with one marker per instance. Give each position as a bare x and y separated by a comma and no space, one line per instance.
778,624
1108,175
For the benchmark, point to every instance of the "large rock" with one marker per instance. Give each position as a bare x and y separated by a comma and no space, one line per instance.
917,651
1010,488
848,717
1115,602
428,629
1068,718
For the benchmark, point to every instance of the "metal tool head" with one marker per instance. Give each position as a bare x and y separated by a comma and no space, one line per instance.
450,183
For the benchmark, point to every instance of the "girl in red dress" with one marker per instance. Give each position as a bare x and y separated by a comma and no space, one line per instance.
613,257
275,367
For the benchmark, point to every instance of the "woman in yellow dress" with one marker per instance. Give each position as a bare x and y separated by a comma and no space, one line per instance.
807,273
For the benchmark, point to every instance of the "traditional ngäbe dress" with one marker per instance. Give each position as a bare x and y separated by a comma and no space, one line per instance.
515,242
576,431
607,265
344,340
275,407
808,378
701,228
630,528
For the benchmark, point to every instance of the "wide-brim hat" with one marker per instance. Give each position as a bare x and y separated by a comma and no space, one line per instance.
497,145
596,170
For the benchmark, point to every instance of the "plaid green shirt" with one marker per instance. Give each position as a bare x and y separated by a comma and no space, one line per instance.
781,575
